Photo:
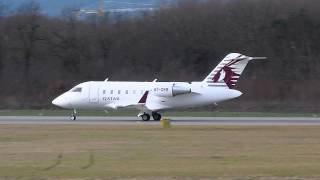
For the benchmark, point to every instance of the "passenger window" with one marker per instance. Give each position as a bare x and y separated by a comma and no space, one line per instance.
76,89
104,91
134,92
119,91
127,92
111,92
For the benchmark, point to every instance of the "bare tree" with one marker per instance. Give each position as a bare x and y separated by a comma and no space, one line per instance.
180,43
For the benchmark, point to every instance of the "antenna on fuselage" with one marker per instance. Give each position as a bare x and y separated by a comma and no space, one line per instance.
106,80
155,80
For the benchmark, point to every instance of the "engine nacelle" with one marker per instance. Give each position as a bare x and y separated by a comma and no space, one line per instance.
181,88
171,89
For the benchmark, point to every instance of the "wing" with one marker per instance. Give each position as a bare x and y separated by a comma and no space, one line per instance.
129,104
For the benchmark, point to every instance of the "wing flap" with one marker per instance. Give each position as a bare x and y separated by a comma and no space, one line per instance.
124,104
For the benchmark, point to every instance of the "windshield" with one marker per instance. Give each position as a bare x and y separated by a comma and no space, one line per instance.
76,89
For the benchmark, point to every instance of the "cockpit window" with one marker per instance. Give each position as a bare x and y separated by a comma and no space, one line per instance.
76,89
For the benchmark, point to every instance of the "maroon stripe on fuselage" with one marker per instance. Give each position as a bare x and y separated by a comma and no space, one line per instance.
144,97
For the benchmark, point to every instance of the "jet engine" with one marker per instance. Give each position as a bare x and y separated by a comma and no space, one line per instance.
171,89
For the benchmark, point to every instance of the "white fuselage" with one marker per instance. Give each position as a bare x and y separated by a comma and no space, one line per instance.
145,96
154,97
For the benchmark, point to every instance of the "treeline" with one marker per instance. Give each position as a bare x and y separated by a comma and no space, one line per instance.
41,57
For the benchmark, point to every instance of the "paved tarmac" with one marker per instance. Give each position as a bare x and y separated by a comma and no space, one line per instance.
244,121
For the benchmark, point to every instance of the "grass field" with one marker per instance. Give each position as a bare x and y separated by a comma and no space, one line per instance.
48,112
89,151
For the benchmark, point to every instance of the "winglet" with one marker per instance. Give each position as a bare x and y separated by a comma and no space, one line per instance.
144,97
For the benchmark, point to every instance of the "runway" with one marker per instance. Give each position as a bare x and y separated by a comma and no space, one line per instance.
125,120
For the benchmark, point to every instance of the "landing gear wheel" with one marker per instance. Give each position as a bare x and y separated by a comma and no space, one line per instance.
145,117
156,116
73,117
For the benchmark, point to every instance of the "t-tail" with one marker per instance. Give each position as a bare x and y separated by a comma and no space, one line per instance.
229,70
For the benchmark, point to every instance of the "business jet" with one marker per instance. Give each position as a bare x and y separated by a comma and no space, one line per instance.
152,98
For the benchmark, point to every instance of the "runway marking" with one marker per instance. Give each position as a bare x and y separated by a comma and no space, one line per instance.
126,120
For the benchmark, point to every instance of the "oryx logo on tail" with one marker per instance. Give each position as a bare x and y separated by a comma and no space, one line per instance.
227,75
228,70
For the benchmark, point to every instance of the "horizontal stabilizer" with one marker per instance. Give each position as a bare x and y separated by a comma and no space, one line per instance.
257,58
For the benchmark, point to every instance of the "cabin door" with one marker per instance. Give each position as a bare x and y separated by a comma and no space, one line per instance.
94,94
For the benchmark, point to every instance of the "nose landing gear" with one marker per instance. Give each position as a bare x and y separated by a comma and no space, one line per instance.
73,116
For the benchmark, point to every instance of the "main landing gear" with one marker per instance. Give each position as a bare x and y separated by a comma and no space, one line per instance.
155,116
73,116
145,117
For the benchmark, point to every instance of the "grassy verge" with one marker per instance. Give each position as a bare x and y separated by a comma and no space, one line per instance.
78,151
46,112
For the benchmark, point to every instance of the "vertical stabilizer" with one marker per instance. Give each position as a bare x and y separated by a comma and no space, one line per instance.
229,70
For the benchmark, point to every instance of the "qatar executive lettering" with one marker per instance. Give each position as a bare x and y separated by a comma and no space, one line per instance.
111,98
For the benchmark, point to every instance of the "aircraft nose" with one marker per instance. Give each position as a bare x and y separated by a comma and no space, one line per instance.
61,102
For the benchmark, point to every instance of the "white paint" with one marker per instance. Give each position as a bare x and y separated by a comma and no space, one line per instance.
106,95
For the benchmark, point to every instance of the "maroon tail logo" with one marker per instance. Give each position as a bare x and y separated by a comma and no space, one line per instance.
227,75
